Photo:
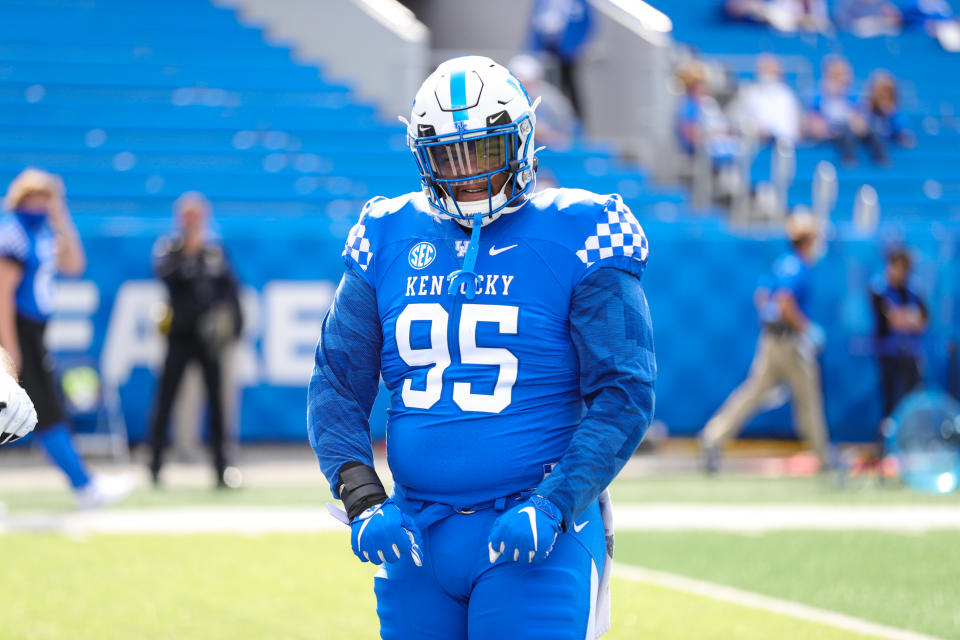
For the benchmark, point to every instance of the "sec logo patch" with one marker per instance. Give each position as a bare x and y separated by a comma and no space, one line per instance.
422,255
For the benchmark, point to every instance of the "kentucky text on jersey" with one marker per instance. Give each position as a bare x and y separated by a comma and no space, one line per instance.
435,285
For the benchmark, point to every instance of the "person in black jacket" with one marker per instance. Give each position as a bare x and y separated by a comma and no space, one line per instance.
900,321
202,318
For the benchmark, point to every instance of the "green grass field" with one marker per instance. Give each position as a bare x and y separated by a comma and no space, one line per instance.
901,580
277,587
119,587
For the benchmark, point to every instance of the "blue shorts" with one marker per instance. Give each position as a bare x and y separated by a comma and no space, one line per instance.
457,594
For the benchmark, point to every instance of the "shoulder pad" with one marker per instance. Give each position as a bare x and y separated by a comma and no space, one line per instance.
357,246
374,215
599,229
612,232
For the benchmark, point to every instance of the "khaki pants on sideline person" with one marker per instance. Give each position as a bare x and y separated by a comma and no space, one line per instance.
778,359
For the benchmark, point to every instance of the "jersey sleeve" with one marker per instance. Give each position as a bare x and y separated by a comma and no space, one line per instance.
13,242
345,380
611,237
613,335
358,251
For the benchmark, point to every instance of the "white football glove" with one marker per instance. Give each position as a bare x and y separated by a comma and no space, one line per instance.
17,414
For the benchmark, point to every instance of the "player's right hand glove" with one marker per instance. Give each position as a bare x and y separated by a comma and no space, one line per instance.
384,533
525,533
17,414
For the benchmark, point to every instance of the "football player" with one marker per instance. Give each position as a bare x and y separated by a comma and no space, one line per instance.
38,240
513,334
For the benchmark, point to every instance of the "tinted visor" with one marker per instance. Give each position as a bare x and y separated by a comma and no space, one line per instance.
469,158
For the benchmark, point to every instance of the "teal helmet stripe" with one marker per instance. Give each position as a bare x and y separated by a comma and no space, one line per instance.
458,95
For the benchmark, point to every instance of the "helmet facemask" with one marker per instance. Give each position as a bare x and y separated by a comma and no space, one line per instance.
481,171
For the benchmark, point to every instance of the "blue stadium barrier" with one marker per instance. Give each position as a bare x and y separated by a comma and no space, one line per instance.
700,286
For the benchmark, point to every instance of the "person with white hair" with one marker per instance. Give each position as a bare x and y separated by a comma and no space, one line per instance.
203,319
37,241
767,109
786,351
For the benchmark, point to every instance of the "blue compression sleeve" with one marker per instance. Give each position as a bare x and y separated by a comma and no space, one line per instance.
612,332
345,380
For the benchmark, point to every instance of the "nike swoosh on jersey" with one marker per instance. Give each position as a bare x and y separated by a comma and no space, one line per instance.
577,528
494,251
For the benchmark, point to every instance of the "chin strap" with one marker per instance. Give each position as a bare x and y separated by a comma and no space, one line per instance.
469,262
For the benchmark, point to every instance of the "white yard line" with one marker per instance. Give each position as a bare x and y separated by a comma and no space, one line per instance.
255,520
764,603
178,521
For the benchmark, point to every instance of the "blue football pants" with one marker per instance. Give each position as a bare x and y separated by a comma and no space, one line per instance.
457,594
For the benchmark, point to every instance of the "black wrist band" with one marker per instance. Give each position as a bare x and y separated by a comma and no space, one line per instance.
359,488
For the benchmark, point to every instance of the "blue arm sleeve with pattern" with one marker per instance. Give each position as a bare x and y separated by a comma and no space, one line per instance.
345,380
613,335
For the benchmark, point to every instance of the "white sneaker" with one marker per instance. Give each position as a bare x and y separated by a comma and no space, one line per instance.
104,491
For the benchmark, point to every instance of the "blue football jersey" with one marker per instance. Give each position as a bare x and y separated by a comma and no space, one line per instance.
32,245
790,273
484,391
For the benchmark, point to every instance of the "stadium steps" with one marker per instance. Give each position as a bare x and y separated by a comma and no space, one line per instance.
134,103
914,58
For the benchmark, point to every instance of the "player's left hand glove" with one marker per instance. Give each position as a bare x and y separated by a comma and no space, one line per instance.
384,533
525,533
17,414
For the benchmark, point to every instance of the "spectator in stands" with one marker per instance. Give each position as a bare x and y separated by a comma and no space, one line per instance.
700,122
560,28
868,18
936,18
556,121
786,351
746,10
203,318
784,15
920,13
900,320
884,118
837,117
768,109
37,241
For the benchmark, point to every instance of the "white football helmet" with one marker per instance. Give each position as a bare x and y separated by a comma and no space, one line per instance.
472,121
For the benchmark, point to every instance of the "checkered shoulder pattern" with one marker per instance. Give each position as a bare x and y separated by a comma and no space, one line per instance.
617,234
357,246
